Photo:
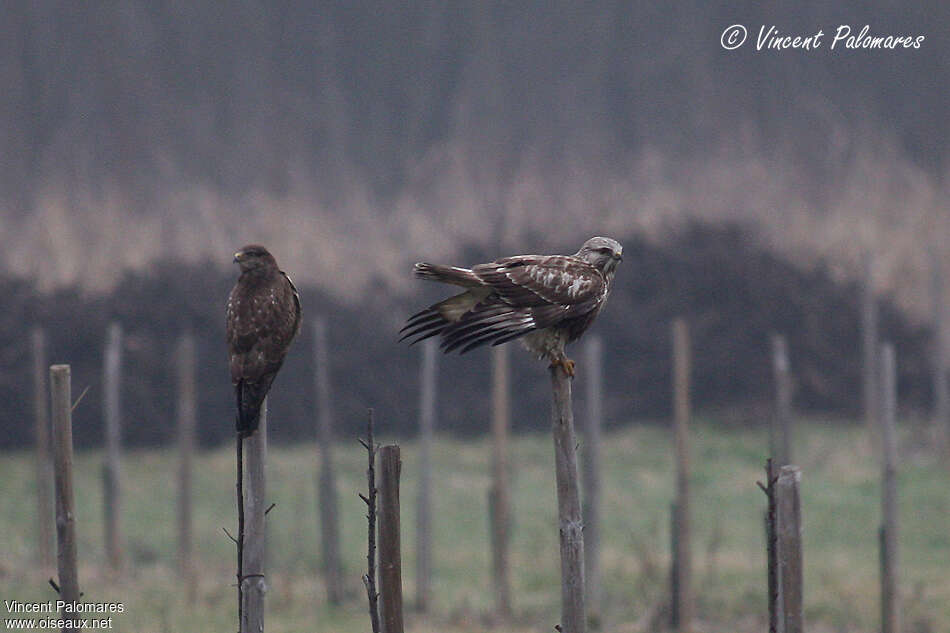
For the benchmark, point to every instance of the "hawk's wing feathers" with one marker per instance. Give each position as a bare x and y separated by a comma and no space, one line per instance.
566,284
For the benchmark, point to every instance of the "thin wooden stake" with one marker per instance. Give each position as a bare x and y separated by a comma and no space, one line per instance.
774,592
253,582
111,478
390,556
592,473
890,592
869,336
60,392
682,600
941,409
327,496
424,500
780,434
44,465
789,547
369,579
499,495
573,615
187,419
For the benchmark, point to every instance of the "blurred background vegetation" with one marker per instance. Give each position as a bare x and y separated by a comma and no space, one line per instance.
733,291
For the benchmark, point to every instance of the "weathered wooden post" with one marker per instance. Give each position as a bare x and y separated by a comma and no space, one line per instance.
424,500
60,392
941,409
573,614
253,582
327,496
869,335
498,495
780,431
890,591
681,590
771,549
112,493
788,518
390,556
369,578
187,418
592,470
41,436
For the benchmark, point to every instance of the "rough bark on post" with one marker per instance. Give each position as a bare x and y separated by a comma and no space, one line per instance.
369,578
871,384
112,494
890,592
327,497
41,436
187,418
253,581
424,500
780,435
774,592
591,470
390,556
941,409
682,602
499,495
60,391
788,547
573,614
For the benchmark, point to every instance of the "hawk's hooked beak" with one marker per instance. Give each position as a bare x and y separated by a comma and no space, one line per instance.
619,257
237,256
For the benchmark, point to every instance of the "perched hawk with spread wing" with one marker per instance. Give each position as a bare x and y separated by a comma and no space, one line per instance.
263,319
550,300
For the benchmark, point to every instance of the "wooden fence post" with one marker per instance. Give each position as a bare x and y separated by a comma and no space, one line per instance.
44,471
788,547
253,581
187,418
941,409
573,615
771,549
111,482
424,500
327,496
498,495
681,581
592,469
890,592
60,392
369,578
390,556
869,332
780,436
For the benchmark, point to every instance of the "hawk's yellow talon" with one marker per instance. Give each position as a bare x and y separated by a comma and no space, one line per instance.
566,365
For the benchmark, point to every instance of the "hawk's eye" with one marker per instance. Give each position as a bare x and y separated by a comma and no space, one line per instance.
604,250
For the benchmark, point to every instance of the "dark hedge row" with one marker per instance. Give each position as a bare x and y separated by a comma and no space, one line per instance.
733,292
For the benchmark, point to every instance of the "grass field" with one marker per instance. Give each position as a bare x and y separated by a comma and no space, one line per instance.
840,510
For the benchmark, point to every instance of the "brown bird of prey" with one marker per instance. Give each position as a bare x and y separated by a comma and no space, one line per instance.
550,300
263,319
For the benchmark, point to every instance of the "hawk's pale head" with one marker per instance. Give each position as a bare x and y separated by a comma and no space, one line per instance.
603,253
253,258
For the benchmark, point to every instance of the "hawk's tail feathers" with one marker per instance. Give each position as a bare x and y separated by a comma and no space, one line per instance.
250,398
446,274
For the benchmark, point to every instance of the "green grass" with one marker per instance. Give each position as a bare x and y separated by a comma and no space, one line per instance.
840,509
